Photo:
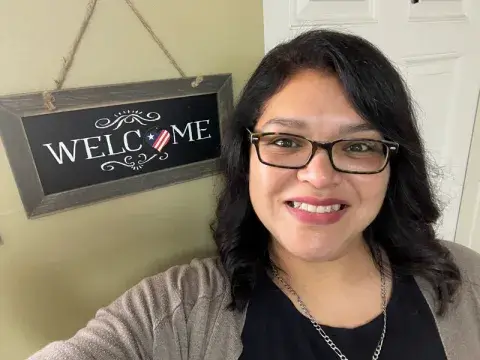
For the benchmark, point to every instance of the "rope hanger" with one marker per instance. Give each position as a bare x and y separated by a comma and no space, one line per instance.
48,98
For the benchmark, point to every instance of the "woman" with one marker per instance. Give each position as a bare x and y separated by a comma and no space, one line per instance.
324,231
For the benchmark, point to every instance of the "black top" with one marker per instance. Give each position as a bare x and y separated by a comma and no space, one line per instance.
275,329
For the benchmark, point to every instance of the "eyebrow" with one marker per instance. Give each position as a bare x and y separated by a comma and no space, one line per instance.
290,123
353,128
300,125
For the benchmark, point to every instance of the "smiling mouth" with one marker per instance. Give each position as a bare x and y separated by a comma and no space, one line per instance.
316,209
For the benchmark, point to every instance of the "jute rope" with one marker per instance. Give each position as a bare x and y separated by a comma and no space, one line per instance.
49,99
155,37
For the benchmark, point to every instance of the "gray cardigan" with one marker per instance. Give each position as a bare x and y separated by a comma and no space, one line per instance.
181,314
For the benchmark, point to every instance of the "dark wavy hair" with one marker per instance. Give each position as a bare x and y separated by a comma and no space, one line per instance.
404,226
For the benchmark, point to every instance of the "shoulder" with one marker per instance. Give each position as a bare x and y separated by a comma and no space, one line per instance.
466,259
155,310
185,284
200,278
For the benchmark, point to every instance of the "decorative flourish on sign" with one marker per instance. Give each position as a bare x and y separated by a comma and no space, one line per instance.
127,117
108,166
128,162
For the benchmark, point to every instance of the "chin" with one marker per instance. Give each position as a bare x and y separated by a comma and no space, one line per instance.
316,250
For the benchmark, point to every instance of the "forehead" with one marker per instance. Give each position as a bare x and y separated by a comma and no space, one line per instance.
311,101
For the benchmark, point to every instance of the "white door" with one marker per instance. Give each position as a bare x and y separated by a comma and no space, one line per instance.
436,46
468,232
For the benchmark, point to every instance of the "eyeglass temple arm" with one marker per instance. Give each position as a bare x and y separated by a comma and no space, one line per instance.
252,134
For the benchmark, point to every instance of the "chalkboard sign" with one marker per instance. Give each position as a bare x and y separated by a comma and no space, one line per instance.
110,141
74,149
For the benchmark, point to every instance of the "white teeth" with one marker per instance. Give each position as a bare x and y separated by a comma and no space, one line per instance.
316,209
321,209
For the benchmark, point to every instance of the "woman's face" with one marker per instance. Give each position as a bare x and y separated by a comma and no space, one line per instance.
298,206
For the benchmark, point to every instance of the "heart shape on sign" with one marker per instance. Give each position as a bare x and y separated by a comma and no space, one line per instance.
157,138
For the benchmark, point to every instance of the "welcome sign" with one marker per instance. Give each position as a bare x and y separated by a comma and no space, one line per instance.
112,141
74,149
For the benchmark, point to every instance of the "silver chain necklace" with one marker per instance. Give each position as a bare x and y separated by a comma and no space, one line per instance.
324,335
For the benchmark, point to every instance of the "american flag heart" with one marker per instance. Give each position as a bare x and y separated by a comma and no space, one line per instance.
157,139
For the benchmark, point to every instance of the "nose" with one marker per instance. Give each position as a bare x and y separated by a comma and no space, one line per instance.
319,172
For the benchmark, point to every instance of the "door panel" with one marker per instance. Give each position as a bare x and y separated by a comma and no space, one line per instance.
437,83
446,10
468,231
322,12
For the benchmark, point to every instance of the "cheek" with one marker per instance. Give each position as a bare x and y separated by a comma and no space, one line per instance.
265,182
372,188
257,181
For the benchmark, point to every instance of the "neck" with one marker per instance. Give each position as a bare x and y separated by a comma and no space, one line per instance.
353,266
327,287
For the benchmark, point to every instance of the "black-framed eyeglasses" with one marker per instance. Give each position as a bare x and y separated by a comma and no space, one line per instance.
353,156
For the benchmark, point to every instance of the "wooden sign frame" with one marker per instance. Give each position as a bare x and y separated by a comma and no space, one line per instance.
16,107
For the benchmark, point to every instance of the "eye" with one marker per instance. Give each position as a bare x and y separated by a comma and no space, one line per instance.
360,147
285,142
